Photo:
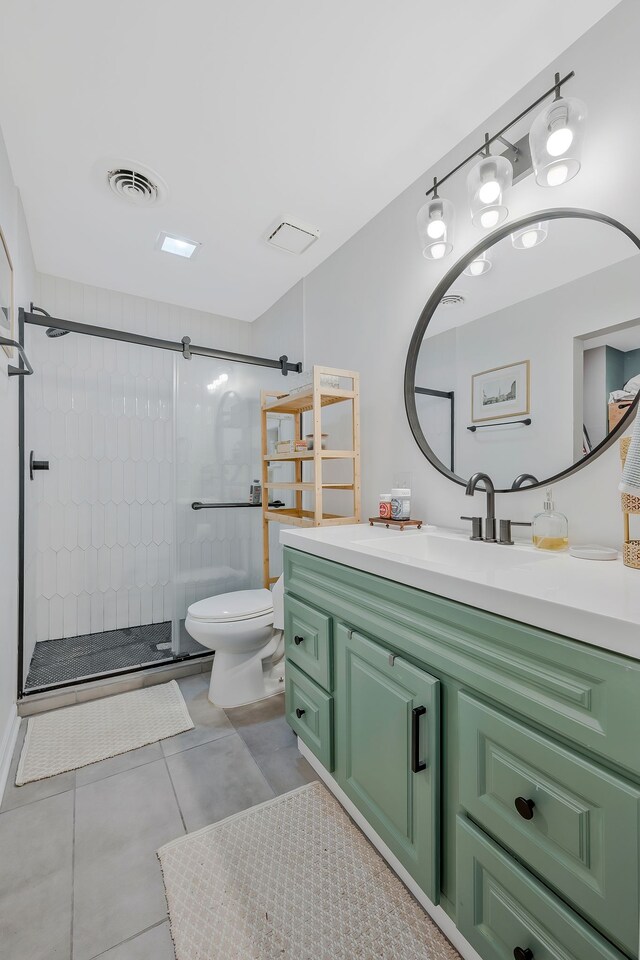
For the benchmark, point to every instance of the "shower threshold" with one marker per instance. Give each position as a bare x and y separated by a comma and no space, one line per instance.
94,655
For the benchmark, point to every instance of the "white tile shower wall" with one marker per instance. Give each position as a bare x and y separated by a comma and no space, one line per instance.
101,521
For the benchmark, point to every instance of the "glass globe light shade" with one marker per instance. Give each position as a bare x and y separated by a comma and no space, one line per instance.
488,181
530,236
477,267
556,139
435,228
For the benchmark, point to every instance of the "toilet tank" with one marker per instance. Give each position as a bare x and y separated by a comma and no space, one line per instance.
278,603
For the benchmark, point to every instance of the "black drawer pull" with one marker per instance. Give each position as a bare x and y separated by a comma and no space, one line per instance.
416,763
520,954
524,808
299,712
298,640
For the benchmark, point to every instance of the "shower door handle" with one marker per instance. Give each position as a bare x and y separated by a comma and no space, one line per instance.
36,465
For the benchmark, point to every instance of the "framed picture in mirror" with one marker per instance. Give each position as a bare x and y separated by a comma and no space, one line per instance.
500,392
6,294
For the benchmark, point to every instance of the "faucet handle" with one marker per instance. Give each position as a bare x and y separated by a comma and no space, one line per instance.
476,527
505,530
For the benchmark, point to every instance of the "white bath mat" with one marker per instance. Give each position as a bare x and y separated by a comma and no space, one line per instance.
291,879
87,732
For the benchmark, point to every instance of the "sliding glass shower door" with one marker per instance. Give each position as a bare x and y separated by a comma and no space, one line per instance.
115,552
218,534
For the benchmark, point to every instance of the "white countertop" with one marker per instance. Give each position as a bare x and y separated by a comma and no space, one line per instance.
597,602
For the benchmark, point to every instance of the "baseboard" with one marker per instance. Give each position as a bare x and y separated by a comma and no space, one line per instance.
7,745
437,914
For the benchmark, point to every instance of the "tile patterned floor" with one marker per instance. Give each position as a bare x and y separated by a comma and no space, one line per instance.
78,850
73,658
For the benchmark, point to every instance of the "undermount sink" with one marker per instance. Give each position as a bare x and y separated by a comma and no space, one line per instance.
451,551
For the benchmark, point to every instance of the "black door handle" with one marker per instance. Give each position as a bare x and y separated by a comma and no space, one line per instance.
298,640
299,712
36,465
524,807
520,954
416,763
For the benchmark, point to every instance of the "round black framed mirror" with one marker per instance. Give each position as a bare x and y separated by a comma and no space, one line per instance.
525,361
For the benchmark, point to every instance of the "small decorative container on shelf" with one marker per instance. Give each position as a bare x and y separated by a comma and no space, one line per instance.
401,503
385,506
630,505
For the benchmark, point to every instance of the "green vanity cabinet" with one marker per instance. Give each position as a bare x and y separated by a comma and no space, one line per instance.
524,822
387,753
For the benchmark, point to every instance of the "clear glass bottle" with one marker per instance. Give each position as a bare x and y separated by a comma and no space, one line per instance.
550,529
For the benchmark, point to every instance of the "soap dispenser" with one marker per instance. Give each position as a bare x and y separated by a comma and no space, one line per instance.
550,529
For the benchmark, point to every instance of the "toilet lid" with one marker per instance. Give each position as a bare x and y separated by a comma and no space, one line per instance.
239,605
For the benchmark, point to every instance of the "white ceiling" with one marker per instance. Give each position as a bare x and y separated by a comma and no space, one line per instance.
249,110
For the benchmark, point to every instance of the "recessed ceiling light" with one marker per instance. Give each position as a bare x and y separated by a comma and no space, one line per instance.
179,246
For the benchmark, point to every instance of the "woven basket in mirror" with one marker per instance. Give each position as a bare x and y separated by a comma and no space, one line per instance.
630,505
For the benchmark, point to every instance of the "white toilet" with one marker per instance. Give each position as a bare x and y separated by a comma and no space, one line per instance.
245,628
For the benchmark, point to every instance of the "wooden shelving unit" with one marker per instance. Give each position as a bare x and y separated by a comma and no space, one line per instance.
310,401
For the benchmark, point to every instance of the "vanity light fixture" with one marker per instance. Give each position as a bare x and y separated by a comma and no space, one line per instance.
556,139
480,265
487,183
555,144
435,226
530,236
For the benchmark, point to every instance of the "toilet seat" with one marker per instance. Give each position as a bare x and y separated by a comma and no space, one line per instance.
232,607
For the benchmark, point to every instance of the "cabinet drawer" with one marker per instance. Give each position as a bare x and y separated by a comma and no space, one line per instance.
310,713
570,821
504,912
308,640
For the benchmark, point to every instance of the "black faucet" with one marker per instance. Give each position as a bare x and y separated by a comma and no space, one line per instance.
490,523
523,478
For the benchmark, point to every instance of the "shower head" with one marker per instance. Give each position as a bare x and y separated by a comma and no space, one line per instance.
50,331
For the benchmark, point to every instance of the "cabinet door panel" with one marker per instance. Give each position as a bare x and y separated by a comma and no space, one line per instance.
379,738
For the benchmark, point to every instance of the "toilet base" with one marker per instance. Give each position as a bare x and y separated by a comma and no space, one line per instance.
237,679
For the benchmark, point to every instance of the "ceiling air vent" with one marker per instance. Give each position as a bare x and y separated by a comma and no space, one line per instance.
134,186
292,237
452,300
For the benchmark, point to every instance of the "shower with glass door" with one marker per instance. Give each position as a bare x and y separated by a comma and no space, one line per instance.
141,503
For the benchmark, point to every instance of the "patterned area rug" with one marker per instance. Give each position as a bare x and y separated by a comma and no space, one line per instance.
291,879
87,732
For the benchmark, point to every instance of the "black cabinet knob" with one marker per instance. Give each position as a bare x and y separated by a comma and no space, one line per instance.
520,954
298,640
524,807
299,712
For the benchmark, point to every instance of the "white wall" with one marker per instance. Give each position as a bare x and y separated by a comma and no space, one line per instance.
361,305
17,237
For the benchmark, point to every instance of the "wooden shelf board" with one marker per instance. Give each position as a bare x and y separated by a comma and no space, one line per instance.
303,402
309,455
310,487
304,518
